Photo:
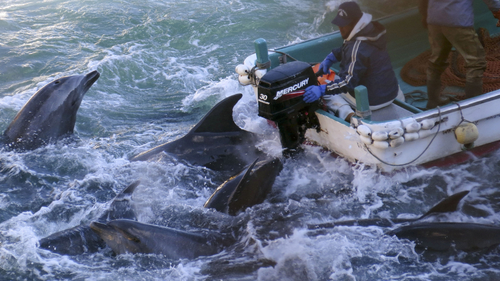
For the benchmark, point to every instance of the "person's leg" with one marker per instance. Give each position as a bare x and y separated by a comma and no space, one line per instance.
342,104
466,42
338,105
440,49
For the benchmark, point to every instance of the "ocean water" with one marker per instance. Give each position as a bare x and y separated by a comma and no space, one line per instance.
163,65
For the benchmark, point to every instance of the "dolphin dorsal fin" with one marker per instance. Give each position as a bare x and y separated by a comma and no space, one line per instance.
129,190
447,205
120,207
233,197
219,118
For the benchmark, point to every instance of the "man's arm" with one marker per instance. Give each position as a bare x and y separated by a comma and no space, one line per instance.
354,68
349,78
337,52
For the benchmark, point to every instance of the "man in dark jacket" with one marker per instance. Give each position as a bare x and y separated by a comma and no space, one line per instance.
363,61
451,24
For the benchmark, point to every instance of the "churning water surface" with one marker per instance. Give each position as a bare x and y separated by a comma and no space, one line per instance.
163,65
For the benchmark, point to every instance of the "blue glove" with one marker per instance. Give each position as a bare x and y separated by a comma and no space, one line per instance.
327,63
313,93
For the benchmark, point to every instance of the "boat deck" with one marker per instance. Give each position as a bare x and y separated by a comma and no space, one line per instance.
406,39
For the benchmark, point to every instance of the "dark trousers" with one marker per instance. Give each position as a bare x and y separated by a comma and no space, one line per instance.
465,41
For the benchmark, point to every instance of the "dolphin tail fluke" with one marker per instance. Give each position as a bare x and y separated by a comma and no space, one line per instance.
449,204
220,118
233,205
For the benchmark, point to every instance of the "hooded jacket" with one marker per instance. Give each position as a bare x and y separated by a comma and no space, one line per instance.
364,61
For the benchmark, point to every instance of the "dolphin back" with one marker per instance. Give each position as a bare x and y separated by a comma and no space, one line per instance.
216,142
254,187
444,236
250,187
126,236
73,241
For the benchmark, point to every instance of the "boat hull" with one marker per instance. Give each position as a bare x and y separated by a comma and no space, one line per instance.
435,146
407,134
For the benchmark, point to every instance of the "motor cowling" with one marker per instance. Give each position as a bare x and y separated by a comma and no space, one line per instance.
280,99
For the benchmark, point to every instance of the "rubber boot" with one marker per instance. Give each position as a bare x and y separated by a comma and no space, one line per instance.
434,94
474,87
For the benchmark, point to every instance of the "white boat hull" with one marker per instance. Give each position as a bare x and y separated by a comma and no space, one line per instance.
432,144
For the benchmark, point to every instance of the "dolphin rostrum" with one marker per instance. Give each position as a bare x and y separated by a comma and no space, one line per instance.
448,204
216,142
127,236
50,113
248,188
81,239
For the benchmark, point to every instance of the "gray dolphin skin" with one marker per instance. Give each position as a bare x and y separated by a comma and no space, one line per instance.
81,239
248,188
443,236
50,114
434,236
448,204
216,142
127,236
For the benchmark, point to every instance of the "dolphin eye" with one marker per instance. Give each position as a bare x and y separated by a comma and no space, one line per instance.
57,82
131,237
134,239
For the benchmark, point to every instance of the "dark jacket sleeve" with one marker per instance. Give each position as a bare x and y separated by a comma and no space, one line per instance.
337,52
353,67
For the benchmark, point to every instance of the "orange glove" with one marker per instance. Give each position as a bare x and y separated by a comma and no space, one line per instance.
497,16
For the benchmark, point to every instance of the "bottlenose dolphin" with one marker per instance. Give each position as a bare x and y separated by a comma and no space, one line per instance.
448,204
434,236
247,188
81,239
127,236
443,236
50,113
216,142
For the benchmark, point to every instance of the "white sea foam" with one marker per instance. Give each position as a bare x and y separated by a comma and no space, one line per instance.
160,63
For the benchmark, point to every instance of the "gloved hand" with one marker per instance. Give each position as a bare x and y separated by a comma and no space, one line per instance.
497,16
327,63
313,93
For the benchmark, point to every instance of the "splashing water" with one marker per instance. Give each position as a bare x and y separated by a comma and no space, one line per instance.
163,65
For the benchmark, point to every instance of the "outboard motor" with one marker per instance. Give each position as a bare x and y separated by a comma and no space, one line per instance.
280,94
